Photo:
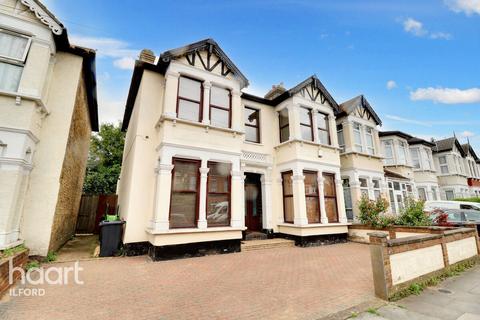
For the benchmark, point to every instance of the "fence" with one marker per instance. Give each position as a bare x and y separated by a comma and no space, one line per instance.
92,209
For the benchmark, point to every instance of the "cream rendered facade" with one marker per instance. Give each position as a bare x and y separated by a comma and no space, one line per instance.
46,115
157,136
472,167
424,171
361,158
451,171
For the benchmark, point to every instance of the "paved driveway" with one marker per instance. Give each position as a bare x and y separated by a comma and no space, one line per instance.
282,283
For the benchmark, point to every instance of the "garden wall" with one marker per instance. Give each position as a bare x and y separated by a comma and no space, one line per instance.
359,232
401,261
19,260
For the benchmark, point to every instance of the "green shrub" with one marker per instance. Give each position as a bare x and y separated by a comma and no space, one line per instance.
32,264
12,251
474,199
51,256
371,211
413,214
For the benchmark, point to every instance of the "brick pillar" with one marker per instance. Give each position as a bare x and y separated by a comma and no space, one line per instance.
382,276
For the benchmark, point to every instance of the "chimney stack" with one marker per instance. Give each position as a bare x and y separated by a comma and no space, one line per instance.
147,55
275,91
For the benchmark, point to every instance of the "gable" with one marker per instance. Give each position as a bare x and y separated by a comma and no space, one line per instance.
40,12
360,108
206,55
207,61
314,94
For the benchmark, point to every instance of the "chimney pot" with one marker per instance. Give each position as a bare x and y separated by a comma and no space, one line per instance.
147,55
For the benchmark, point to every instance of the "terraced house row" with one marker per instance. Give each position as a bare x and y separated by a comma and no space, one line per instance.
206,163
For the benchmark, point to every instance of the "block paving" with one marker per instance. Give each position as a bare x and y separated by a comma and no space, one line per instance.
279,283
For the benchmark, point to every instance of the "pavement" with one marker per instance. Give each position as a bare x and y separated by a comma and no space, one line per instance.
79,247
278,283
456,298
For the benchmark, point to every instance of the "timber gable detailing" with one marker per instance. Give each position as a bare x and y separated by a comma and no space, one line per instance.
210,64
313,93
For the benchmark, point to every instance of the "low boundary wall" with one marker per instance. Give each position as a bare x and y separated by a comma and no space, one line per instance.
400,261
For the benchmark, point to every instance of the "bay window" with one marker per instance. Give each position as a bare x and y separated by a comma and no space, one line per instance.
341,138
388,146
218,194
422,194
220,107
322,127
330,196
402,153
357,134
376,189
184,194
311,196
306,123
443,164
284,125
369,140
426,159
363,187
189,99
13,54
252,125
415,158
287,187
347,195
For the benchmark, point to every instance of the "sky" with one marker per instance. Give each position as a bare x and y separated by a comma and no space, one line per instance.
416,62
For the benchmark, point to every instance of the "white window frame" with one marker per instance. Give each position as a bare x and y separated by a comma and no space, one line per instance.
443,165
12,60
417,159
364,190
377,193
369,131
402,149
389,161
360,134
341,141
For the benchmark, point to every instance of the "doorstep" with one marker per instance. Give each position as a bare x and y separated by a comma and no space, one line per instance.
251,245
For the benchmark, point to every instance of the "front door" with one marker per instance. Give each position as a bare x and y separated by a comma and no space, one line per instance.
253,202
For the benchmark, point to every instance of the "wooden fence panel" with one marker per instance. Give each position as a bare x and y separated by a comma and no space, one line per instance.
92,209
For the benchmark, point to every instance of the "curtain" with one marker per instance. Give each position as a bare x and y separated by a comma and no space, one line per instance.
9,76
12,46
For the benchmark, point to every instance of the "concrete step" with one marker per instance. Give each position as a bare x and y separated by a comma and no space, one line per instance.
251,245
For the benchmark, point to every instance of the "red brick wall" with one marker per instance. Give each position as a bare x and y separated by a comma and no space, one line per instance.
19,259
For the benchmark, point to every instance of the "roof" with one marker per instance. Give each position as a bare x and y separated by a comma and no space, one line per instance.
467,148
351,105
312,81
210,44
415,140
62,43
394,175
447,145
395,133
207,44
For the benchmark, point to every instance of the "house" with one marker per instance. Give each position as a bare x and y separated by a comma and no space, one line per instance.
449,160
205,162
472,165
398,168
361,159
424,171
48,109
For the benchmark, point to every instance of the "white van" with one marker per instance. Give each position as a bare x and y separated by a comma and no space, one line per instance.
431,205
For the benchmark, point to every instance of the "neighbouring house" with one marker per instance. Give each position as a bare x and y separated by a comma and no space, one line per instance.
48,109
398,168
449,160
472,165
424,171
360,154
204,162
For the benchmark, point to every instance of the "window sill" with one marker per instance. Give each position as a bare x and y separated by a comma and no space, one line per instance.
362,154
398,165
195,230
254,143
314,225
19,96
199,124
306,142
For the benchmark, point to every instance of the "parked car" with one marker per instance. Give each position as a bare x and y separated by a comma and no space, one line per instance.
460,217
439,204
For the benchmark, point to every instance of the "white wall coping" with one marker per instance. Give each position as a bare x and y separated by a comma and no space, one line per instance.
314,225
195,230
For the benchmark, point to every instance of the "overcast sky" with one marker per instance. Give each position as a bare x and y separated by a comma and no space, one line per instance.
417,62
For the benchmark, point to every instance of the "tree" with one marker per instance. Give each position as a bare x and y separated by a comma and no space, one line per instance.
104,160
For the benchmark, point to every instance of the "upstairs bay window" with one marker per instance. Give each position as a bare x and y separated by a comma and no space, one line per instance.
402,153
426,158
13,54
415,158
341,138
220,107
357,134
369,140
284,125
252,125
322,127
388,146
306,123
189,100
443,164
